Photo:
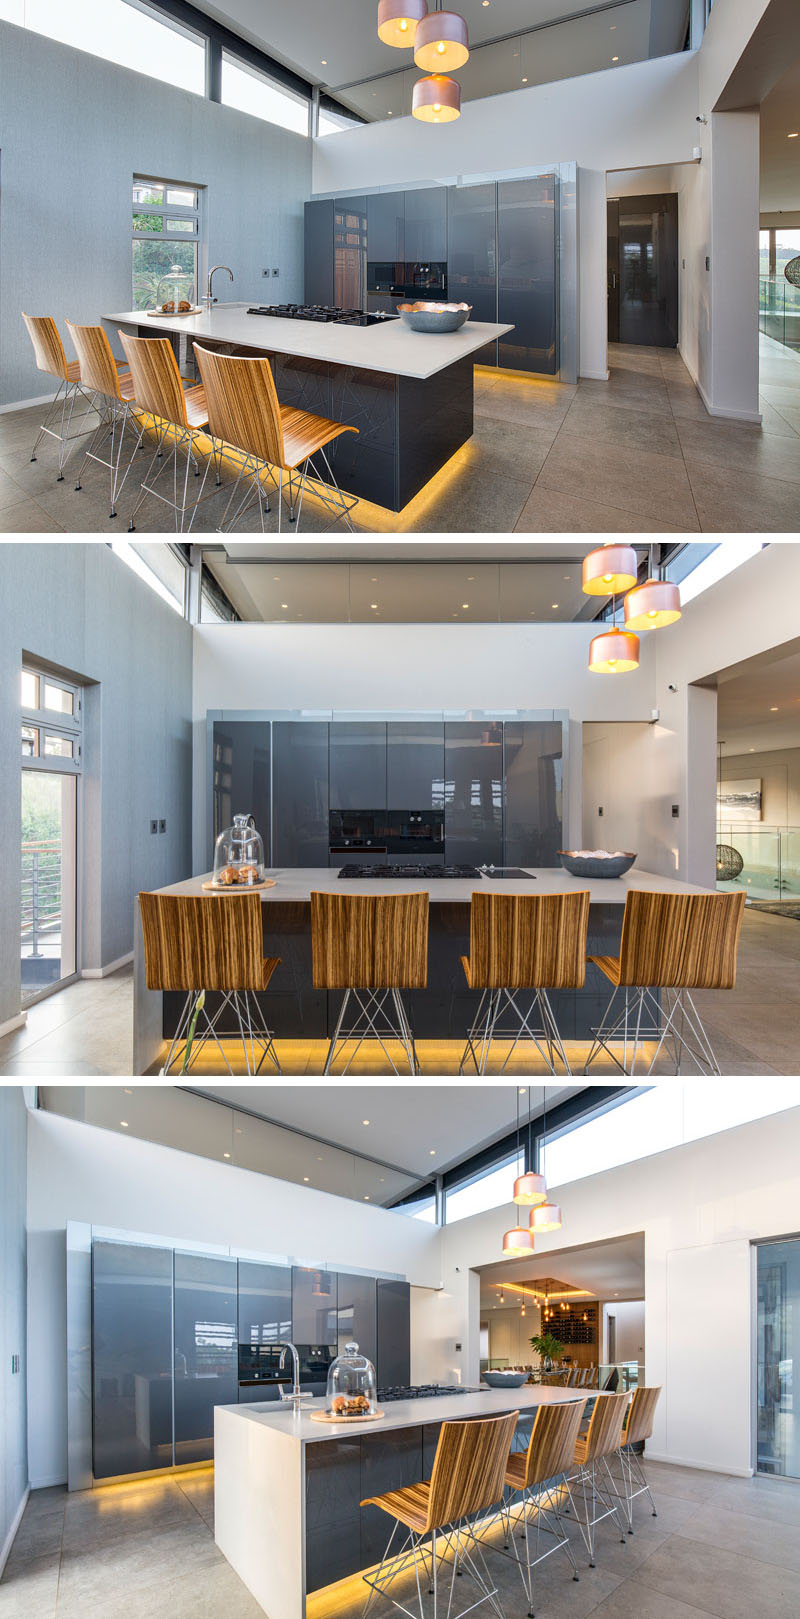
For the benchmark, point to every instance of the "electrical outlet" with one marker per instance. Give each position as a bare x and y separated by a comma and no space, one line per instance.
600,809
276,272
675,811
162,826
14,1365
153,826
265,272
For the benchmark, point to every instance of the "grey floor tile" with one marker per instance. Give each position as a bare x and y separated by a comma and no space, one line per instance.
758,1539
591,420
633,1600
735,501
134,1563
650,485
550,511
29,1588
28,518
726,1584
777,1500
208,1593
741,445
784,422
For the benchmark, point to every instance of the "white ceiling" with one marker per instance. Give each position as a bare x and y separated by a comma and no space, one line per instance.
419,1129
780,157
605,1270
758,704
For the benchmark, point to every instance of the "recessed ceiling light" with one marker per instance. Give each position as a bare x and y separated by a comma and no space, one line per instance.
306,1179
127,1092
374,606
284,604
319,1158
554,605
390,112
373,579
433,1152
566,576
773,710
465,604
792,136
365,1121
324,61
751,750
524,81
275,578
238,1129
615,58
381,1178
366,1197
486,2
124,1123
226,1155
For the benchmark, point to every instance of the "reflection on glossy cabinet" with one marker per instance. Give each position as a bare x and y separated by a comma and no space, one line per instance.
357,1314
394,1334
527,273
205,1350
415,765
241,775
318,283
314,1306
472,255
426,225
534,787
358,765
473,816
300,795
131,1358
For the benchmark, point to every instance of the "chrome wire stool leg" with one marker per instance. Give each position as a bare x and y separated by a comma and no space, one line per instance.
634,1481
179,439
596,1492
456,1540
63,408
114,424
485,1029
642,1018
380,1016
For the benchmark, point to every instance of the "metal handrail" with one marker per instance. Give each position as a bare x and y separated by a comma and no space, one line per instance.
40,911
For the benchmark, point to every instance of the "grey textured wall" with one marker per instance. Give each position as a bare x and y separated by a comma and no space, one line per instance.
73,132
13,1296
78,606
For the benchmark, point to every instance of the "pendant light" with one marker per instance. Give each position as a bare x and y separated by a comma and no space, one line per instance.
398,21
441,42
530,1188
522,1311
436,100
653,605
547,1215
614,652
609,571
519,1240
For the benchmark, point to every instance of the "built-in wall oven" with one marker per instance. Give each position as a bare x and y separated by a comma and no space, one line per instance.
413,834
408,281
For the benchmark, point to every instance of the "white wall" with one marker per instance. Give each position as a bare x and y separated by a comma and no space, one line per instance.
622,774
13,1405
779,769
642,113
77,1172
510,1335
700,1207
628,1315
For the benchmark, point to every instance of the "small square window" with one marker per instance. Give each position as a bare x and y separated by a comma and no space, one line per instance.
29,689
30,742
58,747
57,699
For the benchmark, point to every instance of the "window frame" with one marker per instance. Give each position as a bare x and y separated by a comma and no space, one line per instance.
174,211
51,722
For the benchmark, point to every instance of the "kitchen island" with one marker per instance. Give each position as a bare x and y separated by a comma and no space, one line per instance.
444,1010
410,394
288,1490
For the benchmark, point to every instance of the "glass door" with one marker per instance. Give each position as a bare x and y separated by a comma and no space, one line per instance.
51,762
778,1379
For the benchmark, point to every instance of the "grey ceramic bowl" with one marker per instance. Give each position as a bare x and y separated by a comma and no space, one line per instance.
504,1380
579,866
422,317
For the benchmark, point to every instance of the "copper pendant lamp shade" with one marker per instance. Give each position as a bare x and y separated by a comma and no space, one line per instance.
529,1190
441,42
653,605
610,571
615,653
398,21
546,1217
518,1242
436,100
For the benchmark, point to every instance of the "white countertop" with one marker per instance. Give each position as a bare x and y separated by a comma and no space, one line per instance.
390,347
294,884
298,1425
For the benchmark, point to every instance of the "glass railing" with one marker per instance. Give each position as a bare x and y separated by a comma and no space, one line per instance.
779,310
764,860
619,1376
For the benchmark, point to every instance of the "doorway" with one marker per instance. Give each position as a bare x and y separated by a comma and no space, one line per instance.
777,1325
642,271
51,763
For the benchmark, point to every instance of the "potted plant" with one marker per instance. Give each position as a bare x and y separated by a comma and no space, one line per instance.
547,1345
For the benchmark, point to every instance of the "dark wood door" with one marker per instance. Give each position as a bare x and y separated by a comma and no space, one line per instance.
648,270
612,275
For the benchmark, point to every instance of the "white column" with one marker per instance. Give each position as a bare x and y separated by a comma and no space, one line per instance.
734,264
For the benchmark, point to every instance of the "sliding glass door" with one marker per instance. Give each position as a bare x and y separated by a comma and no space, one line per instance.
51,762
778,1371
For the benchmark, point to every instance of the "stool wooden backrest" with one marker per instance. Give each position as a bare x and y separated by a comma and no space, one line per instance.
642,1410
680,941
243,408
552,1442
605,1426
528,941
47,345
193,943
98,371
156,378
469,1468
369,941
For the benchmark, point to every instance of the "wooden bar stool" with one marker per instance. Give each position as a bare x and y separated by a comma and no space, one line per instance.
196,944
675,943
467,1480
114,390
50,357
638,1427
180,417
372,946
591,1457
244,412
533,1486
518,943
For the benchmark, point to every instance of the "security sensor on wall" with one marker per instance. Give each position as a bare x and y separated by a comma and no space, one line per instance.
701,118
672,688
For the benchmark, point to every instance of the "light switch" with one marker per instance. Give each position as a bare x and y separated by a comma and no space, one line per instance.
162,826
153,826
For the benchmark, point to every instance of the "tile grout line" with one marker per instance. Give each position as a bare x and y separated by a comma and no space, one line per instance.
700,528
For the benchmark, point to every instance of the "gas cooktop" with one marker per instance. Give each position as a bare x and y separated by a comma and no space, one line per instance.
424,1391
324,313
354,873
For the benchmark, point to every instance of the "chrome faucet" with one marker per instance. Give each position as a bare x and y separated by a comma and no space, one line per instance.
296,1398
209,298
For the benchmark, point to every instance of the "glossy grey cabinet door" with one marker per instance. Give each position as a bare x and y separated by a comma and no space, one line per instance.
393,1364
265,1303
386,227
534,788
300,792
205,1350
241,771
350,252
472,255
426,225
358,765
357,1314
314,1307
318,282
415,765
131,1358
473,814
526,252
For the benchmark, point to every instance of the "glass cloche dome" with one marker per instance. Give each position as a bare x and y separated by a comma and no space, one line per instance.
351,1385
239,855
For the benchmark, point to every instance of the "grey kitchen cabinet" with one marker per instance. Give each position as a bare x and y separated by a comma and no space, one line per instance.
205,1350
390,1460
534,786
241,776
357,1313
314,1307
527,283
426,225
386,227
472,255
300,794
131,1358
318,252
473,813
357,765
265,1303
350,252
393,1364
415,765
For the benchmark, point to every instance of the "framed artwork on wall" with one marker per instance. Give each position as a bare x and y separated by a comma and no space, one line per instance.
739,800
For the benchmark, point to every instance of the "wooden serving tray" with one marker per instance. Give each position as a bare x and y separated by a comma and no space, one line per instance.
154,314
330,1416
238,888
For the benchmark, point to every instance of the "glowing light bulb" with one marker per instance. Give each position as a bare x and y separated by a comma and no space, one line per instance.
441,47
